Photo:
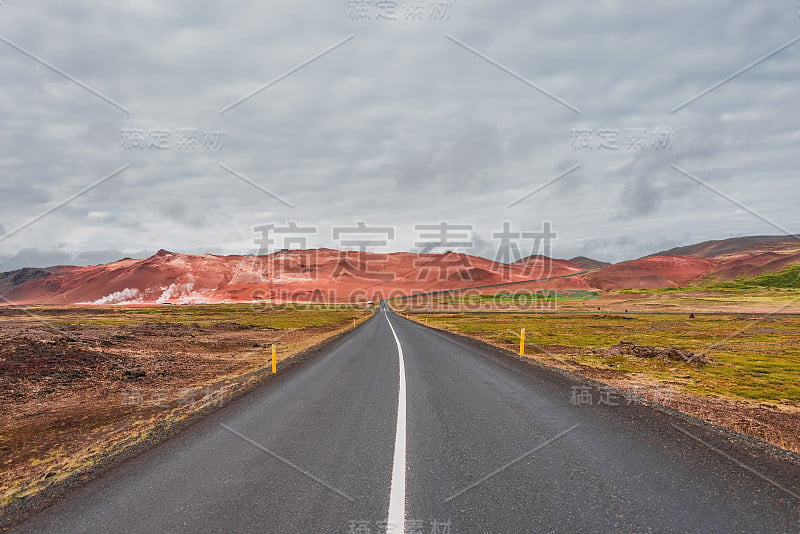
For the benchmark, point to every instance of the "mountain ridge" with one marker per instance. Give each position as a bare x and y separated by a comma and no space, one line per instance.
328,275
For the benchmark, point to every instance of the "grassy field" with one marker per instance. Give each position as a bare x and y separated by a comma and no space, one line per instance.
749,330
756,358
79,384
788,278
718,298
268,317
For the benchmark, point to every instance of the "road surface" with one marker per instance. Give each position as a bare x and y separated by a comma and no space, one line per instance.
432,433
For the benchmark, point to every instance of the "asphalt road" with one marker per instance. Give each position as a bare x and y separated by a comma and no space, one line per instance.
399,423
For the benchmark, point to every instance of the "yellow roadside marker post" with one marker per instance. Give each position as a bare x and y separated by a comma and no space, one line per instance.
274,360
354,323
522,342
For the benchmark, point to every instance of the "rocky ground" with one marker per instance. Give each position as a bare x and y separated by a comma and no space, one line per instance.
73,391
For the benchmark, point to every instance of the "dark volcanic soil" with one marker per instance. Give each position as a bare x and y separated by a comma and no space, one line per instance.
71,393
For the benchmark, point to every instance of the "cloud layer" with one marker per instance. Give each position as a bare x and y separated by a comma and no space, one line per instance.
398,126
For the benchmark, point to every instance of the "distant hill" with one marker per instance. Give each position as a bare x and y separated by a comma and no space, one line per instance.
317,275
589,263
652,272
738,246
326,275
544,267
783,279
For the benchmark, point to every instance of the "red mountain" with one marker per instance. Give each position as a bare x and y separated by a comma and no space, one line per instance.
544,267
652,272
738,247
322,275
325,275
589,263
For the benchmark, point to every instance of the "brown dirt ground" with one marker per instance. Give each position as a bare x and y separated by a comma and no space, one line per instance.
71,395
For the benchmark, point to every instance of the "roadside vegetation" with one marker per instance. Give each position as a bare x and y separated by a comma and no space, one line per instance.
751,357
745,370
741,340
80,384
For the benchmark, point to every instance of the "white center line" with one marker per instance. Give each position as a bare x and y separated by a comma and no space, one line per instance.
397,496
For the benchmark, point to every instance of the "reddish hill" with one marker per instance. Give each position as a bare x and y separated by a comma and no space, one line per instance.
322,275
745,257
325,275
738,247
544,267
160,277
652,272
755,265
589,263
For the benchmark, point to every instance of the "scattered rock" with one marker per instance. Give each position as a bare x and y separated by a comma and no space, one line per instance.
230,326
628,348
134,374
606,316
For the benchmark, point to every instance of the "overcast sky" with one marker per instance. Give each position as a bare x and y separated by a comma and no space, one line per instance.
433,111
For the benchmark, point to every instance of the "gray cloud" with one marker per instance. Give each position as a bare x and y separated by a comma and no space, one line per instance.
398,126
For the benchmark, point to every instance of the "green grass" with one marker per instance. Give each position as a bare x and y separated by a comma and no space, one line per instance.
649,291
788,278
784,281
754,358
257,316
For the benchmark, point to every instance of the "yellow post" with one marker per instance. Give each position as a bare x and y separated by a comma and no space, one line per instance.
274,360
522,342
354,323
426,321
